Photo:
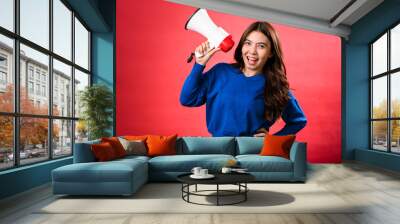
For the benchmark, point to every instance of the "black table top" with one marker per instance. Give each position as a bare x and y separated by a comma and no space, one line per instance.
220,178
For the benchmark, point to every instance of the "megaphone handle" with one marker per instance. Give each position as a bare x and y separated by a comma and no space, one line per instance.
190,58
196,54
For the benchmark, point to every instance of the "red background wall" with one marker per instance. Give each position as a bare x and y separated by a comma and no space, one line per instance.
151,50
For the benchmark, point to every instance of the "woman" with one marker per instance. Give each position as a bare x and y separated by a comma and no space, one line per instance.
245,98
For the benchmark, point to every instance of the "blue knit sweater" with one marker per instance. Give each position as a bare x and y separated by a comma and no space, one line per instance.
234,102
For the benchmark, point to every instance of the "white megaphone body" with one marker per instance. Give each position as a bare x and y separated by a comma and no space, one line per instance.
216,36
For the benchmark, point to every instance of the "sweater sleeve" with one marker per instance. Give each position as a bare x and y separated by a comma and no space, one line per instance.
194,90
294,117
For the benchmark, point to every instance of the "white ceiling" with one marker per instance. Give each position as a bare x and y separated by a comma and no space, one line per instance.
326,16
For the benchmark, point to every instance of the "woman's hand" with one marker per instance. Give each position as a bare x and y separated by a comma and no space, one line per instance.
261,132
204,50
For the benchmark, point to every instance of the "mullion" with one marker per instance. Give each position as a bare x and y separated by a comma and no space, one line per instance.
386,73
16,84
50,87
73,82
114,74
385,119
371,137
389,106
41,49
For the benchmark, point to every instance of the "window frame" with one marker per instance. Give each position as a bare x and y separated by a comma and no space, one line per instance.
388,74
16,114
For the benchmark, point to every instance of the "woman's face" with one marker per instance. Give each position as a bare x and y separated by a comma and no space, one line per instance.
256,50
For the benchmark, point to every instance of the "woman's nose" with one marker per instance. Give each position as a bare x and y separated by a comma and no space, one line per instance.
253,49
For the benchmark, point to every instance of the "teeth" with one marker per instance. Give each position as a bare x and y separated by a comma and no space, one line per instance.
252,60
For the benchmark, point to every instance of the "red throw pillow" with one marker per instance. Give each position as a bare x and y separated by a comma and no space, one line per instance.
116,145
275,145
161,145
103,152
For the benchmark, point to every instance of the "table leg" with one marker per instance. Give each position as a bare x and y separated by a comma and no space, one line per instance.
188,190
245,193
217,194
182,190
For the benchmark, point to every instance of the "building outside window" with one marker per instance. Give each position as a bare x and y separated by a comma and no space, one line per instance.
37,75
44,78
3,60
3,78
30,72
38,89
43,90
3,72
30,87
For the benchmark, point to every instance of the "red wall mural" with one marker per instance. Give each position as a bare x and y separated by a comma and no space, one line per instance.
151,50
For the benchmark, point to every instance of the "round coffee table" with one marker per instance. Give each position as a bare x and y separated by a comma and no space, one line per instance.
238,179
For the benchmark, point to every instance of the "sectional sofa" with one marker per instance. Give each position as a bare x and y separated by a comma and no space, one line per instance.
126,175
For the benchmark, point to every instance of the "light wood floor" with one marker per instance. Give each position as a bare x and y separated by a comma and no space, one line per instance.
377,188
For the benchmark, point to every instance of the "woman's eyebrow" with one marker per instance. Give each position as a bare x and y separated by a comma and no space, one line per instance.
257,42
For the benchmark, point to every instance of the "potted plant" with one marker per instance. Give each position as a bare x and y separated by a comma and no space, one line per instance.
96,102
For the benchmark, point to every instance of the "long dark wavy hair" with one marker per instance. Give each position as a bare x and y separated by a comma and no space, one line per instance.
277,86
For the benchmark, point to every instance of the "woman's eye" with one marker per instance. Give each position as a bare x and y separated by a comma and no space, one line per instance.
247,43
261,46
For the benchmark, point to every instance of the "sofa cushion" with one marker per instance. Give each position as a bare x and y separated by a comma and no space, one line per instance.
185,163
275,145
83,152
206,145
249,145
134,147
133,157
257,163
116,145
135,137
103,152
111,171
159,145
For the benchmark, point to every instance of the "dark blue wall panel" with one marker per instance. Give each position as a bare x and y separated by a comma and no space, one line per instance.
24,178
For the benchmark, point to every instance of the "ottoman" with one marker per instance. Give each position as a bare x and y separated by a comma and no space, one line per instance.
119,177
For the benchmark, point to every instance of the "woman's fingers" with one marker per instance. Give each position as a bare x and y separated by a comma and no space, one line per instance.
259,135
205,52
201,48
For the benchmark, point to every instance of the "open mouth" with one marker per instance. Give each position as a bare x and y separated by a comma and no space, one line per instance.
252,60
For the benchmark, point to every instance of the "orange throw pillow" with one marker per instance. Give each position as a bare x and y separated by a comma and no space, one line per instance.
161,145
116,145
275,145
103,151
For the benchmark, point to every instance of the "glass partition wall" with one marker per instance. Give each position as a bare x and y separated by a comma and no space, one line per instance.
44,64
385,91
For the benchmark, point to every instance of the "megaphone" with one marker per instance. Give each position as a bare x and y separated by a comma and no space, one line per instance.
201,22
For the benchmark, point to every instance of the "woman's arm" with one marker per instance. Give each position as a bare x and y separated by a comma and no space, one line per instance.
194,90
293,116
